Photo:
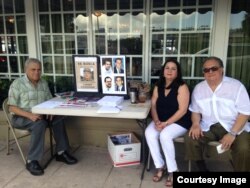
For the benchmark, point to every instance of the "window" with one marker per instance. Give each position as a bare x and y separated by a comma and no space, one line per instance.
14,45
63,27
120,30
238,57
180,30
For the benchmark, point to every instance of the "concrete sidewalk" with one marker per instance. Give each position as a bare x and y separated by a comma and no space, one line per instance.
94,170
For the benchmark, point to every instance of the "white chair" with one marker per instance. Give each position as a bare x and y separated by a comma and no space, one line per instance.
22,133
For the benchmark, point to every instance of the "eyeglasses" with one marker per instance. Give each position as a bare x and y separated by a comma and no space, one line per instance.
213,69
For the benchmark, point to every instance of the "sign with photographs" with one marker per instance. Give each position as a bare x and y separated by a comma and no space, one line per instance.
86,73
113,75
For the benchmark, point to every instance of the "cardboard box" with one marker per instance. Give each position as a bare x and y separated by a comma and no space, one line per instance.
124,149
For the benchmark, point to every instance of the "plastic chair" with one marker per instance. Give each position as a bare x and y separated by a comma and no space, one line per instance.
22,133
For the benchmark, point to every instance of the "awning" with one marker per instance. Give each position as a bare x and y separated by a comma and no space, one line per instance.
240,5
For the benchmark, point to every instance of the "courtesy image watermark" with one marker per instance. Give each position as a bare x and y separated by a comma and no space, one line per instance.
212,179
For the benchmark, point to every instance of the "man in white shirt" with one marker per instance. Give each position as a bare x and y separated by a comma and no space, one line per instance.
220,110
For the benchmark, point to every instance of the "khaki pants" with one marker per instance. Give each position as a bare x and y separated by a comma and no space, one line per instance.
240,149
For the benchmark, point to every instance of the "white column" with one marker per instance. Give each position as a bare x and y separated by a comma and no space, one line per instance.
222,11
31,26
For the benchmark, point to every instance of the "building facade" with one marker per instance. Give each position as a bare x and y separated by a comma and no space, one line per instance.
147,32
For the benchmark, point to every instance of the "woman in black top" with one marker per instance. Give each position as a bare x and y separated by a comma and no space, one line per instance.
171,118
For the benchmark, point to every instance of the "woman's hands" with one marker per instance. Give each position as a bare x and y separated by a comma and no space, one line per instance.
160,125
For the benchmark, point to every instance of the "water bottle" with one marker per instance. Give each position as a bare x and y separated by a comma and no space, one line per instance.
133,93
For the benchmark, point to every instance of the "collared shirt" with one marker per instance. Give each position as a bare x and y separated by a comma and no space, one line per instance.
25,95
119,70
119,88
107,90
223,105
105,71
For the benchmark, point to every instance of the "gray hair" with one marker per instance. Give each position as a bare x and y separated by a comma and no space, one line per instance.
218,60
31,60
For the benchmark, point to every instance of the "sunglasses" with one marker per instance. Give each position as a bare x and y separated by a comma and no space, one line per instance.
213,69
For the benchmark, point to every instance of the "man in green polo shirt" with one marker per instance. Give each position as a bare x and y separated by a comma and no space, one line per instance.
24,93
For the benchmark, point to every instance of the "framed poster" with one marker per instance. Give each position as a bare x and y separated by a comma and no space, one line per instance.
86,74
113,75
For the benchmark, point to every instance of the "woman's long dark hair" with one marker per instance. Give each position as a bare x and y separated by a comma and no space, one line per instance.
176,82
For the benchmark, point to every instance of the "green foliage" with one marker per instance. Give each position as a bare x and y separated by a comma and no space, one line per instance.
50,82
192,83
64,84
4,89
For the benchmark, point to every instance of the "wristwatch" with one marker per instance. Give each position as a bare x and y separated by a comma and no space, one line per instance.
233,133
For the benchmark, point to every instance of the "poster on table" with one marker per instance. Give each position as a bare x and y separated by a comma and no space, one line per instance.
113,75
86,73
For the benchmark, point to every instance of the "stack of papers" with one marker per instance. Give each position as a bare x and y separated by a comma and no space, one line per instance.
110,104
80,102
110,101
121,139
74,102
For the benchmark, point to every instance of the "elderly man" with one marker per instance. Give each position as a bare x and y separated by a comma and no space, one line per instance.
87,75
220,110
24,93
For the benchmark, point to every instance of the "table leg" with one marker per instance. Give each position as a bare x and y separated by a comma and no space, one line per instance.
143,124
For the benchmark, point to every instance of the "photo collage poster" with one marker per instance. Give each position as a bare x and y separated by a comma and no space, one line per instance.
113,75
86,74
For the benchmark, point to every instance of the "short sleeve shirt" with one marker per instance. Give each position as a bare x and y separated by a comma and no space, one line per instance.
223,105
25,95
